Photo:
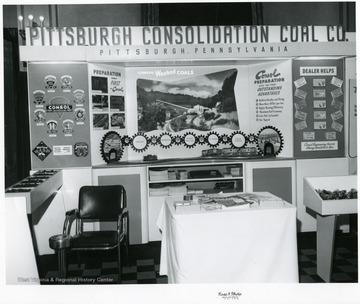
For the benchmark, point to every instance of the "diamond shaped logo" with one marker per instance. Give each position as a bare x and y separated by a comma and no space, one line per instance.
42,151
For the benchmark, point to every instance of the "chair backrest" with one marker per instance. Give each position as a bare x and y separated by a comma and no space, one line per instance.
101,202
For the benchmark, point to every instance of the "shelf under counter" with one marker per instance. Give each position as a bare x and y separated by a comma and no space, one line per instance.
190,180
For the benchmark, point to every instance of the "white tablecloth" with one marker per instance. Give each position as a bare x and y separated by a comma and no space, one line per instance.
254,245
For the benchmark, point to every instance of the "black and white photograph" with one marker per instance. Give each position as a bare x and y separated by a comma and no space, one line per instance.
179,152
202,103
117,103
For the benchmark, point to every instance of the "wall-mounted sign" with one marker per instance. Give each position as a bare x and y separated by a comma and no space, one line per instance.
180,35
62,150
59,115
185,42
318,114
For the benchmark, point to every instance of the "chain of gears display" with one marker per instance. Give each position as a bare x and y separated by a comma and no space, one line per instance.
241,144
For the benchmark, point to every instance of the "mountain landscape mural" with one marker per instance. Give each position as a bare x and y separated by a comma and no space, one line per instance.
204,102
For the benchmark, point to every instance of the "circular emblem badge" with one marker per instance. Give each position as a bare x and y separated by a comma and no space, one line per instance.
238,139
165,140
139,142
269,141
189,140
213,139
111,147
81,149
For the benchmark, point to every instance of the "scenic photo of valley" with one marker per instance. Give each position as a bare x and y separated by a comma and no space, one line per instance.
204,103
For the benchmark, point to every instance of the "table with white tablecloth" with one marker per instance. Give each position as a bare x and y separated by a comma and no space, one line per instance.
250,245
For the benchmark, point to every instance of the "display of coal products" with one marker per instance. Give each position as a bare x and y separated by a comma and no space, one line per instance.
337,194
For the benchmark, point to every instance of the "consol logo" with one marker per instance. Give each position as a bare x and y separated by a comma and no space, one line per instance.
264,75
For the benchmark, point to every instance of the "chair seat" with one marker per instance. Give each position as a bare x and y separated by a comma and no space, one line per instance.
94,240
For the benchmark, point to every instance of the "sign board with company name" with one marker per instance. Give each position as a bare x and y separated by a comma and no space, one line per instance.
183,42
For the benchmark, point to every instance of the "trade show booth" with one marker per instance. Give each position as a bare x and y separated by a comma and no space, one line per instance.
183,111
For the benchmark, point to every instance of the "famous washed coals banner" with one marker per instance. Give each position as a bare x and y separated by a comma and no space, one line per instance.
204,102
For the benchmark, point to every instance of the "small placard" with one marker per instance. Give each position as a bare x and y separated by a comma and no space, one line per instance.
62,150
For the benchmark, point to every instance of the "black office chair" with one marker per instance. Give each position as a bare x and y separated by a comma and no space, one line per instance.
100,203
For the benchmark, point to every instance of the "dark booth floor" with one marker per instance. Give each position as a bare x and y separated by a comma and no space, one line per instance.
143,268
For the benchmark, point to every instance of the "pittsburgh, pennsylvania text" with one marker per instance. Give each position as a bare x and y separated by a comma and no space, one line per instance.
191,51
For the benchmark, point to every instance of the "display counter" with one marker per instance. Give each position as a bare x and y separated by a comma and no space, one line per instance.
327,209
23,202
36,188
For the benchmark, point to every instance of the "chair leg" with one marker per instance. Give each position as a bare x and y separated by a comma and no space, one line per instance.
78,258
119,264
127,251
127,240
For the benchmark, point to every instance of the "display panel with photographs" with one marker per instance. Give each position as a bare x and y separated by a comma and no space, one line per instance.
318,108
108,100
